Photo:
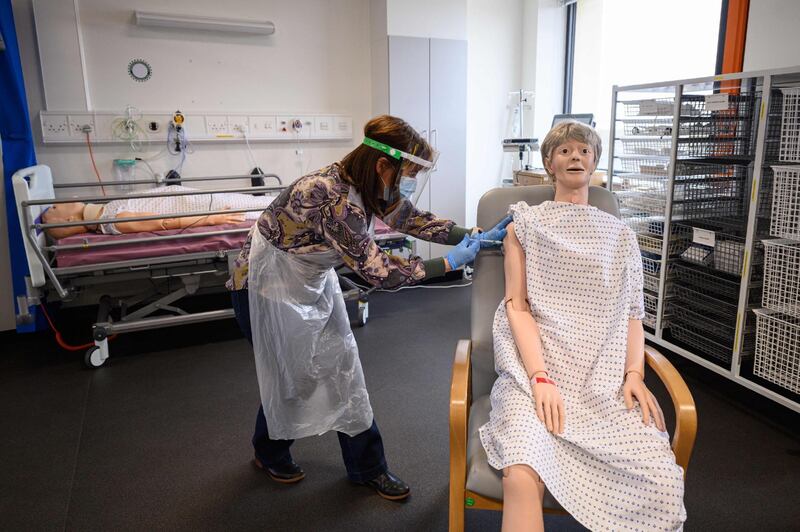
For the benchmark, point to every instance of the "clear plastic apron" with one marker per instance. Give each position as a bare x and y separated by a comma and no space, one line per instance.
306,356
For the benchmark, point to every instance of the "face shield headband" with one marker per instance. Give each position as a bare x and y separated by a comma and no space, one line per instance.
414,172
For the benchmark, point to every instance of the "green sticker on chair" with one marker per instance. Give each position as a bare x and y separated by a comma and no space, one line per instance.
470,501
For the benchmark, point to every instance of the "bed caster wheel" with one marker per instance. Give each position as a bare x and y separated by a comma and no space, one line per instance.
363,313
93,358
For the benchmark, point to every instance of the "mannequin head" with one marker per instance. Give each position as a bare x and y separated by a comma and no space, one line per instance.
570,153
65,212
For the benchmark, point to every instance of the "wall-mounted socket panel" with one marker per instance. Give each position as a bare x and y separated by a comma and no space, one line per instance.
79,124
239,125
217,126
262,126
67,127
55,127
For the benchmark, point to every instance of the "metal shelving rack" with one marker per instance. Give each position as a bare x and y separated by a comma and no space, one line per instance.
690,162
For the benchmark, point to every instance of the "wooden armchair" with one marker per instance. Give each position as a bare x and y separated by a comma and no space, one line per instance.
473,483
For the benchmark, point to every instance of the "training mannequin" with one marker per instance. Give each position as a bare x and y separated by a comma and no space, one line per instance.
570,410
152,206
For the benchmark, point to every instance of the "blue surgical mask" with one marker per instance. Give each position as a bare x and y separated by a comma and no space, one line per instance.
407,186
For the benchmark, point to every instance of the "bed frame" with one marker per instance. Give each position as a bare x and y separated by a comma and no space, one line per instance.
122,285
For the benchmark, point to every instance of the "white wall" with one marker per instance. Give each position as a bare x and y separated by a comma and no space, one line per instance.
772,39
440,19
494,68
318,61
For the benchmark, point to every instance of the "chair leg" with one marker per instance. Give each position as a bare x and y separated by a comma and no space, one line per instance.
457,493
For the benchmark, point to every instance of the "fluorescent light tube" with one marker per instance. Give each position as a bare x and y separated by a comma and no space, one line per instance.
191,22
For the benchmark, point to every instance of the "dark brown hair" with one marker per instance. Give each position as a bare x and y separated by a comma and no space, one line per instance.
359,165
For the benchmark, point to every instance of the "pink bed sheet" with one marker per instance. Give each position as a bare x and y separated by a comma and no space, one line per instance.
141,250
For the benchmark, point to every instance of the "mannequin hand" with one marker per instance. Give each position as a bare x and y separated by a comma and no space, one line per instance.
495,234
464,253
225,218
549,406
634,388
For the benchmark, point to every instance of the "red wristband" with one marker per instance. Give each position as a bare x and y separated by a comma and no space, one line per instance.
544,380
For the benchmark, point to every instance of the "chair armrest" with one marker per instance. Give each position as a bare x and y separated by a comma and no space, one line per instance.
682,401
460,399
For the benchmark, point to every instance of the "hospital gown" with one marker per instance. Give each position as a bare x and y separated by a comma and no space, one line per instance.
182,204
584,282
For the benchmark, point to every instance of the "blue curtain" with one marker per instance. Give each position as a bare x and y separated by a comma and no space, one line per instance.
15,131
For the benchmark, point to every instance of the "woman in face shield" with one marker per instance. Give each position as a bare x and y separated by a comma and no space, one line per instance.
288,302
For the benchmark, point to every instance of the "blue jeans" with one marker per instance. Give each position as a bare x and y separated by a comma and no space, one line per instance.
363,453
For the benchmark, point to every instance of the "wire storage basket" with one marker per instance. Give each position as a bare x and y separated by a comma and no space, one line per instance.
785,222
777,356
772,142
706,282
708,190
651,127
647,146
696,339
790,126
651,283
727,254
645,166
649,107
719,329
650,234
782,276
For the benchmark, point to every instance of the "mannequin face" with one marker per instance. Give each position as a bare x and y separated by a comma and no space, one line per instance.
64,212
572,164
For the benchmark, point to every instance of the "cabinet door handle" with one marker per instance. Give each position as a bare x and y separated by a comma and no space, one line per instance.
434,138
424,134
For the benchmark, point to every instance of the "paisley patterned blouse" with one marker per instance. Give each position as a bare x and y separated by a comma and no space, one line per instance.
317,214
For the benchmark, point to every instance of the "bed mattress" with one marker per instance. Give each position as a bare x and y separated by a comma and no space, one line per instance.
140,250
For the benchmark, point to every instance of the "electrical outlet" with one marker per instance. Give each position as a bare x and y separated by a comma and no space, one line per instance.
323,127
239,125
54,127
217,126
79,125
343,126
262,126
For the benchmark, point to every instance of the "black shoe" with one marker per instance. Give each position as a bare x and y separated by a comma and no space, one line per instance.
285,474
389,486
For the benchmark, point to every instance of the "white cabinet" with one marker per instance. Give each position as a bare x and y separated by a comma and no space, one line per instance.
427,87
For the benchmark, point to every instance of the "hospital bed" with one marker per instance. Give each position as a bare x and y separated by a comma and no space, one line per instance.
135,279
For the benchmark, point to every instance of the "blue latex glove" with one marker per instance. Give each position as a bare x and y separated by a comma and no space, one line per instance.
464,253
494,237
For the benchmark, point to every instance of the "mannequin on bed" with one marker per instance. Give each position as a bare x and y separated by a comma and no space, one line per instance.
116,210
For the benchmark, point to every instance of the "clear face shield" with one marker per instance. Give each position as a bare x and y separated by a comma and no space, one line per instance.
414,172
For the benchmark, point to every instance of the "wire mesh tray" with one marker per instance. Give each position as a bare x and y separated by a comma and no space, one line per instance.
651,283
655,127
638,164
651,107
648,146
702,343
782,276
790,126
706,282
785,221
638,203
721,332
650,303
739,106
652,266
728,253
649,320
715,147
778,349
720,309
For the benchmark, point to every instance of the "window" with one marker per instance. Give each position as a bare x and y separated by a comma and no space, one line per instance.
626,42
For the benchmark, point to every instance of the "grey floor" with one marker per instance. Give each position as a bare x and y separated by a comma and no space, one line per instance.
159,438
